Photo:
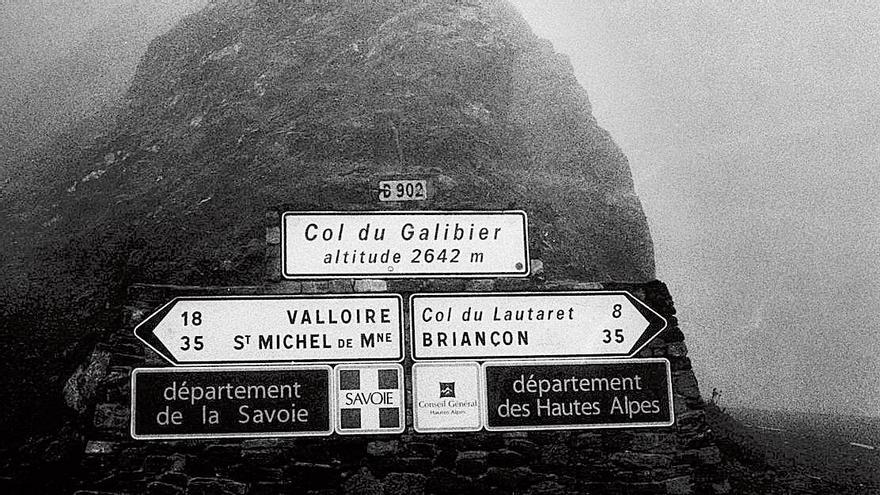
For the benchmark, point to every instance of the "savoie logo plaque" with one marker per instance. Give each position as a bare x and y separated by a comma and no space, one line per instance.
369,397
265,329
412,244
534,325
554,395
182,403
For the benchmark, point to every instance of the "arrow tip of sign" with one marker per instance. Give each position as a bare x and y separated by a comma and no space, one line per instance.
144,331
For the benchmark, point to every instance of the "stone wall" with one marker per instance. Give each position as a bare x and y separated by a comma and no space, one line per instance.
678,460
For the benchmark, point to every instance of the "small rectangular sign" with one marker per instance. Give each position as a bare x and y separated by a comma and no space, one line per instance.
415,244
446,397
183,403
559,395
530,324
403,190
265,329
370,399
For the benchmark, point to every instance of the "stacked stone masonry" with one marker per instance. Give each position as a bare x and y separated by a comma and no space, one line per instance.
682,459
677,460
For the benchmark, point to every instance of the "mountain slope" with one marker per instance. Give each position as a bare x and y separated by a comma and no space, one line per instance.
247,105
44,91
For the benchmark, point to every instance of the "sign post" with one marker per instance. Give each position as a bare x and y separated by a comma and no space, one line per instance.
529,379
530,325
260,329
560,395
183,403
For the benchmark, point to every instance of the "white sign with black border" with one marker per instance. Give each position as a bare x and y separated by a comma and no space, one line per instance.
370,399
498,325
446,397
200,331
412,244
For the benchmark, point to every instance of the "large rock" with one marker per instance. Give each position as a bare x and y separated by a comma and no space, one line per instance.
251,104
80,388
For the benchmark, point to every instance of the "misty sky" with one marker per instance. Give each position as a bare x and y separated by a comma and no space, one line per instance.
752,133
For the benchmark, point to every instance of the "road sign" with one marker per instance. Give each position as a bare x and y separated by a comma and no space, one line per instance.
403,190
547,325
446,397
263,329
370,399
182,403
554,395
414,244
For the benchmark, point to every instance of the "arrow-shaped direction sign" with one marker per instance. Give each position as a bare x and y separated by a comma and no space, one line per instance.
538,325
271,329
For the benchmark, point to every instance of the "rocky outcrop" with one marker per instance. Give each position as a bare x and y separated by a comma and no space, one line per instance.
250,104
682,459
80,388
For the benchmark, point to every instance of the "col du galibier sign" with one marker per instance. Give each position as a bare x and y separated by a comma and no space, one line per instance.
412,244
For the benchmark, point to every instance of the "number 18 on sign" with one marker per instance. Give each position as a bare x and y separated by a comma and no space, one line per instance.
261,329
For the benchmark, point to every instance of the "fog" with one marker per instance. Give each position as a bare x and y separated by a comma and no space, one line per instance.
752,133
63,60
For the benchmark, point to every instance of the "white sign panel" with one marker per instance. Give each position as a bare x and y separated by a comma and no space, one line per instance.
369,399
412,244
548,325
446,397
264,329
